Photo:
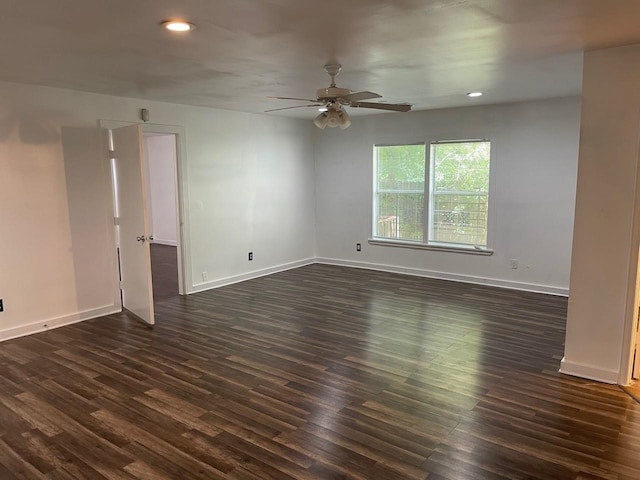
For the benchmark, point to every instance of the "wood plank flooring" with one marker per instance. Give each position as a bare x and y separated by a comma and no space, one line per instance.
321,372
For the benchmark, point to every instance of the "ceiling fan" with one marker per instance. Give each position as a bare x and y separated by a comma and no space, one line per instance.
333,99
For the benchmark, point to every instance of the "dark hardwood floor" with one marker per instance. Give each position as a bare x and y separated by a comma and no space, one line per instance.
164,271
321,372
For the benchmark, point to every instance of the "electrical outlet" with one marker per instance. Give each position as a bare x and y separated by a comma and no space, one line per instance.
514,264
358,247
1,306
250,256
205,276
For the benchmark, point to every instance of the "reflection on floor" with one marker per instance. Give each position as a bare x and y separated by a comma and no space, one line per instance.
164,268
320,372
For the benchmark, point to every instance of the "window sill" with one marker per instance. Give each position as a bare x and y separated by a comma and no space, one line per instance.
386,242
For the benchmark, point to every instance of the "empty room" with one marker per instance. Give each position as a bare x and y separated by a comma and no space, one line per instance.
287,239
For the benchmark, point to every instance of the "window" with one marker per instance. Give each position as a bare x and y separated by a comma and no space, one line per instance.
450,209
400,192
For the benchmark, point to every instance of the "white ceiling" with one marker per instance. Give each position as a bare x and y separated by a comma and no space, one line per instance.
425,52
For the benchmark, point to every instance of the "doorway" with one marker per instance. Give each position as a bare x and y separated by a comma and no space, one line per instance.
160,158
633,387
127,179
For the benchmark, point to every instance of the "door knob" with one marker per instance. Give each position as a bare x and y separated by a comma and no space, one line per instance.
142,238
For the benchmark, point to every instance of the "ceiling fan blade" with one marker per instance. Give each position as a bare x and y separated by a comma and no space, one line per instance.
396,107
297,106
292,98
357,96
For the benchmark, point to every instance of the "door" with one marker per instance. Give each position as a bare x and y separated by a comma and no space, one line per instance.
135,255
636,359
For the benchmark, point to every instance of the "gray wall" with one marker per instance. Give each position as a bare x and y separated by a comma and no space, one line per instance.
535,146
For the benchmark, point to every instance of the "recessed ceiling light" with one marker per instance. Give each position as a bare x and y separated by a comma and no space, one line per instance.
474,94
178,26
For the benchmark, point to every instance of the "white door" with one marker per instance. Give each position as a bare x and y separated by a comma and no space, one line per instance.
135,254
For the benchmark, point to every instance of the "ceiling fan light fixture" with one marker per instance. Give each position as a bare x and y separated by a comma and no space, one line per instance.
321,121
474,94
323,109
345,121
178,26
333,118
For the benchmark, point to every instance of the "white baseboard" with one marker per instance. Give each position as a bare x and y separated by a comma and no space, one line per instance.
171,243
610,377
48,324
491,282
201,287
589,372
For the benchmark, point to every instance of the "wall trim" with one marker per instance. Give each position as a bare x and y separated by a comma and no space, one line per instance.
490,282
567,367
201,287
588,371
56,322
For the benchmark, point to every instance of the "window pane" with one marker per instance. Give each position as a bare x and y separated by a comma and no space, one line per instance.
401,167
460,192
400,192
461,167
401,215
460,219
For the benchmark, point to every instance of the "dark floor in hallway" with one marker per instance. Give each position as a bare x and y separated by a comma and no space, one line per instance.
164,269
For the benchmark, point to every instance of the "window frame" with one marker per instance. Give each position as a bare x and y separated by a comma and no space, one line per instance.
426,243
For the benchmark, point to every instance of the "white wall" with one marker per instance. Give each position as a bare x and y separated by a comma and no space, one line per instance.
606,237
160,156
536,149
248,181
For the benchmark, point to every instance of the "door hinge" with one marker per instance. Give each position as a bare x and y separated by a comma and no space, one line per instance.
112,154
116,221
